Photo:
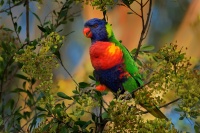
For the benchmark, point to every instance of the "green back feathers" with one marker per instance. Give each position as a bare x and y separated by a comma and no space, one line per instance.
135,81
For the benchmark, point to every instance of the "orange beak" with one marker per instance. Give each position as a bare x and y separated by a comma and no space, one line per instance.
87,32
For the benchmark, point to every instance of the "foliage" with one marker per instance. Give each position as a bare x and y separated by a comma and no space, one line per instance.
33,106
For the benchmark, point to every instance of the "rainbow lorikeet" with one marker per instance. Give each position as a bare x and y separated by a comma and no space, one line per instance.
114,66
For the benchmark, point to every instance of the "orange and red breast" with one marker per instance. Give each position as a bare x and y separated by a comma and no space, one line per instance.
105,55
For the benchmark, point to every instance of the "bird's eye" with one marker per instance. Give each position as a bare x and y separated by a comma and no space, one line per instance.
95,26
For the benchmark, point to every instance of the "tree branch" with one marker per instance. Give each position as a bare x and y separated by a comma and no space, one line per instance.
167,104
145,3
17,4
141,87
144,25
5,83
12,18
27,21
131,9
147,31
67,71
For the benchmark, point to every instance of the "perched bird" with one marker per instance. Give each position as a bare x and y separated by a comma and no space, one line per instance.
114,66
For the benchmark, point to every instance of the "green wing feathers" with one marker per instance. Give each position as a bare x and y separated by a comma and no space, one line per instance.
135,80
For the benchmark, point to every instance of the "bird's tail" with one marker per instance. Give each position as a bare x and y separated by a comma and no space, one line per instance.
155,111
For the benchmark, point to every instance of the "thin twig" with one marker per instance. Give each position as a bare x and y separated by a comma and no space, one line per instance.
12,19
67,71
17,4
130,9
69,105
27,21
144,26
137,2
4,83
102,122
141,87
147,31
145,3
165,105
142,15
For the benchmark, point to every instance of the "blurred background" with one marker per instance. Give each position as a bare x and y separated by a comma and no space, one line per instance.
173,21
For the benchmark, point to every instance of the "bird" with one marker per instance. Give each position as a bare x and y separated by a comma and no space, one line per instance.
114,66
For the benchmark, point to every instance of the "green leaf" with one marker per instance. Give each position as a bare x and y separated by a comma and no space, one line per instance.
112,103
41,116
126,2
138,62
24,84
63,22
98,93
71,19
33,81
63,129
54,126
91,77
129,12
21,51
196,128
7,29
42,29
22,77
104,115
27,114
40,108
33,123
5,46
180,58
2,2
17,90
57,53
83,85
78,113
15,26
134,51
63,95
181,118
147,48
83,124
19,29
178,110
10,103
30,94
19,16
46,127
94,117
155,58
75,92
38,18
54,12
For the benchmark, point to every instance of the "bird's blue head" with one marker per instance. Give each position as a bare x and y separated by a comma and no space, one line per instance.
97,30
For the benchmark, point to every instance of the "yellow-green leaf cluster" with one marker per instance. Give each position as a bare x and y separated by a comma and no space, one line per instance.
85,104
39,65
173,72
98,4
125,117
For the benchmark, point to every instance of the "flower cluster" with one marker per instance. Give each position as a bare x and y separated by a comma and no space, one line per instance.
125,117
85,104
39,65
156,126
98,4
174,72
